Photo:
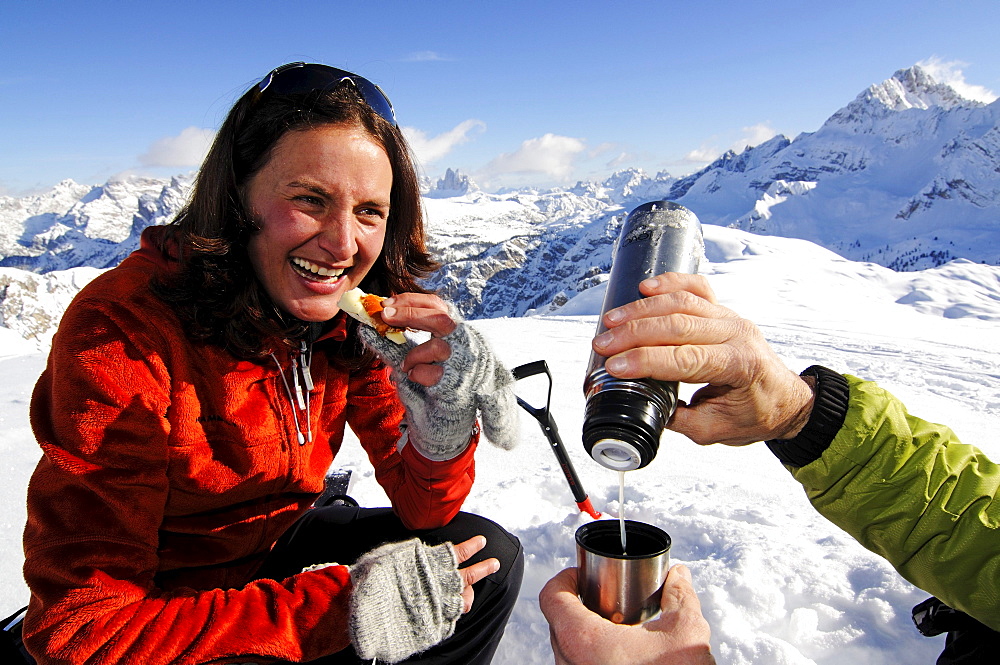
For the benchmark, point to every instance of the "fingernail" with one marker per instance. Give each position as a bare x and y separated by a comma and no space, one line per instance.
604,339
389,311
617,364
651,283
388,301
495,567
615,315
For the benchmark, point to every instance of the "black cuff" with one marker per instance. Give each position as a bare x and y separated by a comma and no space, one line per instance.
827,417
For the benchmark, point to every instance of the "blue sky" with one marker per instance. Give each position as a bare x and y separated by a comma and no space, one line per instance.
514,93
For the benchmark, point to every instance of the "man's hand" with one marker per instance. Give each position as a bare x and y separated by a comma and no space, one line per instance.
679,332
679,636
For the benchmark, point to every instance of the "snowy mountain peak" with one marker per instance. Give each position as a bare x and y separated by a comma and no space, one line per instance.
907,89
907,176
626,186
915,88
453,183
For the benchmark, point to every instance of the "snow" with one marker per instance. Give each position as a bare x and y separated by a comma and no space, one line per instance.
905,175
778,584
476,218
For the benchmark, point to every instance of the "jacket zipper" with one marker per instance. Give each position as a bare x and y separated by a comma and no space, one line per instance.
299,390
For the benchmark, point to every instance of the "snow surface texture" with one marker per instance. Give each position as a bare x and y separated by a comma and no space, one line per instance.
778,583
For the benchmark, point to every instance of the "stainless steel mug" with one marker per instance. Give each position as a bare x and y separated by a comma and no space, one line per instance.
622,588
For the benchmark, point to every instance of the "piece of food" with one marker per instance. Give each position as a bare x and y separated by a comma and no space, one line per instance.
367,308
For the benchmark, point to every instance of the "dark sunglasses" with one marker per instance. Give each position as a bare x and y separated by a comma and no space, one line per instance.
301,77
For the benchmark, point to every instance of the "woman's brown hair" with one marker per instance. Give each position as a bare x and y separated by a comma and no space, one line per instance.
216,291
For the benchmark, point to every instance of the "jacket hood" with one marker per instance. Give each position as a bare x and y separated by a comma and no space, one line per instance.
154,248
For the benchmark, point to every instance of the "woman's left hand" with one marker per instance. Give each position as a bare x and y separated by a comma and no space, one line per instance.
475,572
421,311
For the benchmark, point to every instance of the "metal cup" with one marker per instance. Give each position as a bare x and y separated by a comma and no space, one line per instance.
622,588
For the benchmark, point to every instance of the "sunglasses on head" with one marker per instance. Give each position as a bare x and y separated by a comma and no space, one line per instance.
301,77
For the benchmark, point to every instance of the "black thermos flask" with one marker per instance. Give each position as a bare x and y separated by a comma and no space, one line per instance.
624,418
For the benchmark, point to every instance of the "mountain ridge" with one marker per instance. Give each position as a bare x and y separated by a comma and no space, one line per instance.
906,175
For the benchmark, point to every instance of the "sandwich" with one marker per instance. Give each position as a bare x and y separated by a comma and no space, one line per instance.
367,308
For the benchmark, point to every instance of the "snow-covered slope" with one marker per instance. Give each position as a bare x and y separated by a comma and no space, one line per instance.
778,584
31,304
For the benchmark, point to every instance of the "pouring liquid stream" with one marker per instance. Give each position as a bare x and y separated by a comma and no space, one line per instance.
621,508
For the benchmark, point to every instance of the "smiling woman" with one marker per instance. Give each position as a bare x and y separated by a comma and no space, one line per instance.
196,396
296,153
321,204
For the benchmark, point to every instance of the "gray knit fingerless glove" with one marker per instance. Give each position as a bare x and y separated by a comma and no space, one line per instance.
441,417
406,598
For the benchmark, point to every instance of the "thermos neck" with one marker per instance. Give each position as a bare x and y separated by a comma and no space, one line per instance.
624,419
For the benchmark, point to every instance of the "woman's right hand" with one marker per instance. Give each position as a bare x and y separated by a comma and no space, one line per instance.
445,381
679,332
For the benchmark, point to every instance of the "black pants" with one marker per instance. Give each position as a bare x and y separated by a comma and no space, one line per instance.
343,533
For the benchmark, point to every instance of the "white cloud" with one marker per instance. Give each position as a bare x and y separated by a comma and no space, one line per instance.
753,135
622,158
750,136
429,149
549,155
186,149
951,74
425,56
702,155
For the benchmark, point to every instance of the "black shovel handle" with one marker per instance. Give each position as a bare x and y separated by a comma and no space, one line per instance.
548,424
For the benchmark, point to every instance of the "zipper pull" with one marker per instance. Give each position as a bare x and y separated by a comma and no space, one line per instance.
298,386
306,367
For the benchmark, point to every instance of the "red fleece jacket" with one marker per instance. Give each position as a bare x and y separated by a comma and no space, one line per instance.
170,468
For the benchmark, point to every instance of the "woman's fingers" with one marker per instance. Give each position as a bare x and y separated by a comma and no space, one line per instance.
422,363
427,312
472,574
465,550
419,311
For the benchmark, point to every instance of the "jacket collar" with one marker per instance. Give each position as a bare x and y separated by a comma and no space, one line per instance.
155,247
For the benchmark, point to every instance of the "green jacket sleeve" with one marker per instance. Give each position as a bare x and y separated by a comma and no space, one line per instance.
911,492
